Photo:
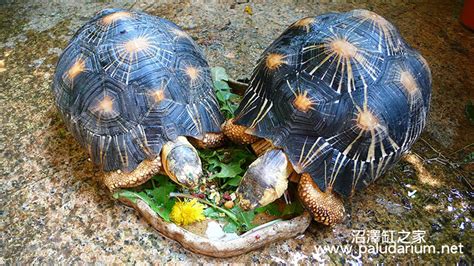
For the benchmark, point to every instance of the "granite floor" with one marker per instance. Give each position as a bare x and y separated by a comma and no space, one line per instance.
52,209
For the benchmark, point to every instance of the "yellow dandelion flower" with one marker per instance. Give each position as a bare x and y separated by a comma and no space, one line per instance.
187,212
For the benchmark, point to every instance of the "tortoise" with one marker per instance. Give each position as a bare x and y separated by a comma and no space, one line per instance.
338,98
134,89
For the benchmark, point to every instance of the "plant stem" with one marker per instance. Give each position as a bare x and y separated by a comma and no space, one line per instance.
463,148
228,213
223,186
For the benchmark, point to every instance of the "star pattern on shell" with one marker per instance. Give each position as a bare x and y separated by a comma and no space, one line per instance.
158,95
358,106
302,102
133,97
130,51
77,68
304,23
347,55
104,107
387,35
274,61
408,82
114,17
193,73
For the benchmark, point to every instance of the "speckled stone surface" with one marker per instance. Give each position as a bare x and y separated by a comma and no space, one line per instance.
53,209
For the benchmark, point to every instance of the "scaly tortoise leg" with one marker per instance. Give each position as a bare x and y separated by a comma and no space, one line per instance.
325,207
236,133
209,140
121,179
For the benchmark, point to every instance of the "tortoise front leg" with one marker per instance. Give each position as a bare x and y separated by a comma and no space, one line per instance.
325,207
210,140
144,171
265,181
236,133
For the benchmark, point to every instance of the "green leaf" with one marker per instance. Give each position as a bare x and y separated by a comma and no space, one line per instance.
157,198
163,211
161,193
227,164
212,213
245,154
228,170
228,101
222,87
294,208
206,154
234,181
219,73
271,209
220,97
132,196
245,217
230,227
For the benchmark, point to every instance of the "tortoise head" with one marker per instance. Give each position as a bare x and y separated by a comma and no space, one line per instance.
181,162
265,180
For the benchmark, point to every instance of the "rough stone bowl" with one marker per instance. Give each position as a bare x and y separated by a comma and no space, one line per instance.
254,239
